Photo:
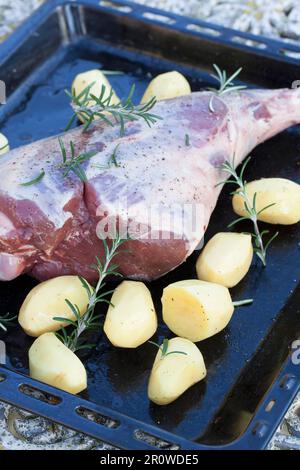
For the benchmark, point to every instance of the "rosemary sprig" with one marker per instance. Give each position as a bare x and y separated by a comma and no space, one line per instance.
164,348
225,83
34,180
109,112
90,320
6,320
73,162
260,248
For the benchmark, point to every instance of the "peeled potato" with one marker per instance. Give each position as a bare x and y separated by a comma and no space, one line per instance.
131,319
47,300
196,309
283,193
225,259
51,362
165,86
174,373
4,144
82,80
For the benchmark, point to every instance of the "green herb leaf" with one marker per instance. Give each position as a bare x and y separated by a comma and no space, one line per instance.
114,156
240,303
112,161
164,348
35,180
4,147
64,320
73,162
6,320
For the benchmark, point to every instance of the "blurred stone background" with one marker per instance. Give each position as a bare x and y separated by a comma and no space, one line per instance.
273,18
13,12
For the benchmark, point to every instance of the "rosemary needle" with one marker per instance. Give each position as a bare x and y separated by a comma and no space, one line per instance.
164,348
260,248
4,147
240,303
112,72
113,157
35,180
5,321
90,320
109,112
112,161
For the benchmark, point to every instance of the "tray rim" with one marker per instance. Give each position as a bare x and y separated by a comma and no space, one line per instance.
287,384
273,46
256,437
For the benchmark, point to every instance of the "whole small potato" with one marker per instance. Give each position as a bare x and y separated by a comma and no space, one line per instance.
4,144
165,86
48,300
174,373
82,80
225,259
196,309
283,193
131,319
51,362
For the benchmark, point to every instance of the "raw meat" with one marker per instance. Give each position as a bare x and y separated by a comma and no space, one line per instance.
164,187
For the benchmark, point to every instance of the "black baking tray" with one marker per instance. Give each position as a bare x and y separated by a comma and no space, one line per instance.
251,378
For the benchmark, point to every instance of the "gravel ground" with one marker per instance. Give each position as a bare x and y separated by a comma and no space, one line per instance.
276,18
12,13
273,18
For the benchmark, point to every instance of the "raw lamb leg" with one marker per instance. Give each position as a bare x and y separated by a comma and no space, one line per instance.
163,188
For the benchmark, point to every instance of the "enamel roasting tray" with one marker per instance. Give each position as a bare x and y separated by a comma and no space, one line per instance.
251,378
